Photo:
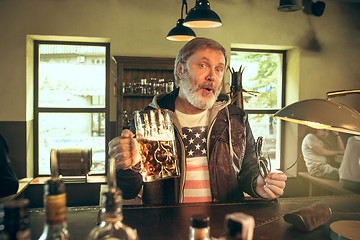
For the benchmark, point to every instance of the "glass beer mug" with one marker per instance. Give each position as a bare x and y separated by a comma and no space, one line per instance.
156,139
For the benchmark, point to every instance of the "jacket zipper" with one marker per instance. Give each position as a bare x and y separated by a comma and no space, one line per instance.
183,166
208,148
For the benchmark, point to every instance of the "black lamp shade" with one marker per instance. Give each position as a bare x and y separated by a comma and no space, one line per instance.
201,16
290,5
317,8
180,32
322,114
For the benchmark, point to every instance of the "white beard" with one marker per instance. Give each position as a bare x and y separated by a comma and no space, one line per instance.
193,96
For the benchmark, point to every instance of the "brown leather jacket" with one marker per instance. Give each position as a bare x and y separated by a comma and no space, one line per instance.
228,178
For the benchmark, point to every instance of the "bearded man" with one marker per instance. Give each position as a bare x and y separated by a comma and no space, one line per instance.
226,165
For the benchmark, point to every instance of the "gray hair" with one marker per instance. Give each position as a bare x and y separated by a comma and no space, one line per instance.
190,47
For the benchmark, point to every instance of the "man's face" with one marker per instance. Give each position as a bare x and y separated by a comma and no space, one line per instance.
201,78
322,133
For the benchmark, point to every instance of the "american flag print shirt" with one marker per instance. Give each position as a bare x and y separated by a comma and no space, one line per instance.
197,184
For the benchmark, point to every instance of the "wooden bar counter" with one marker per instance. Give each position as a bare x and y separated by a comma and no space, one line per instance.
172,222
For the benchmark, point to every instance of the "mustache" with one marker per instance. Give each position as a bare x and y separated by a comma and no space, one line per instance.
207,85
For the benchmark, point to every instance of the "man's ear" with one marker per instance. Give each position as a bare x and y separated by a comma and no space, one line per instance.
179,69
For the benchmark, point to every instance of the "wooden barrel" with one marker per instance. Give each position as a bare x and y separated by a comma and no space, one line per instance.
74,161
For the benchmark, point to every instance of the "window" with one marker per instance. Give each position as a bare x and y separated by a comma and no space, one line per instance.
263,73
71,100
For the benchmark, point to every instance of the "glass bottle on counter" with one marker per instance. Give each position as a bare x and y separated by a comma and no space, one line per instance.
239,226
111,226
56,226
233,229
14,220
199,227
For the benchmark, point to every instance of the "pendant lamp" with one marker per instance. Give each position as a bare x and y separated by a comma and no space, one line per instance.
323,114
201,16
290,5
180,32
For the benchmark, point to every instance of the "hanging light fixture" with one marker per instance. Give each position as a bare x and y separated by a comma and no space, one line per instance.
317,8
290,5
180,32
201,16
323,114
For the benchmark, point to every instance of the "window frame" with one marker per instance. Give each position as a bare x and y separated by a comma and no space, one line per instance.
38,110
283,90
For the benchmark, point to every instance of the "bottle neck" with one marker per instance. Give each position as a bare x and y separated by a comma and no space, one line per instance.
199,233
55,231
54,227
199,227
55,209
111,216
111,207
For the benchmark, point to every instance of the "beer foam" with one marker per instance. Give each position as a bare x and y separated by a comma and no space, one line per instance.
161,137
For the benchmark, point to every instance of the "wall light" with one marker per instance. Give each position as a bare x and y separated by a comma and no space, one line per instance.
201,16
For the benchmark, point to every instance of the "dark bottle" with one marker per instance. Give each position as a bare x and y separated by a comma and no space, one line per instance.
14,220
55,211
199,227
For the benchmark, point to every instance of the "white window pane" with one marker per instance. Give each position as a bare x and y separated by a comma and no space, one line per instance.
266,125
62,130
71,76
263,74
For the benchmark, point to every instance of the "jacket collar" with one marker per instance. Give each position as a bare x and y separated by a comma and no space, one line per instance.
165,100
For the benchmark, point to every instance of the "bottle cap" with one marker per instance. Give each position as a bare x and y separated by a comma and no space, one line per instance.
54,187
233,227
239,225
199,221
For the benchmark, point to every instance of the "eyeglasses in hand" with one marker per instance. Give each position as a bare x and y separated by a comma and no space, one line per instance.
263,163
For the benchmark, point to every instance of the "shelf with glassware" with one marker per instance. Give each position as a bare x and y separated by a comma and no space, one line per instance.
146,88
138,80
143,89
